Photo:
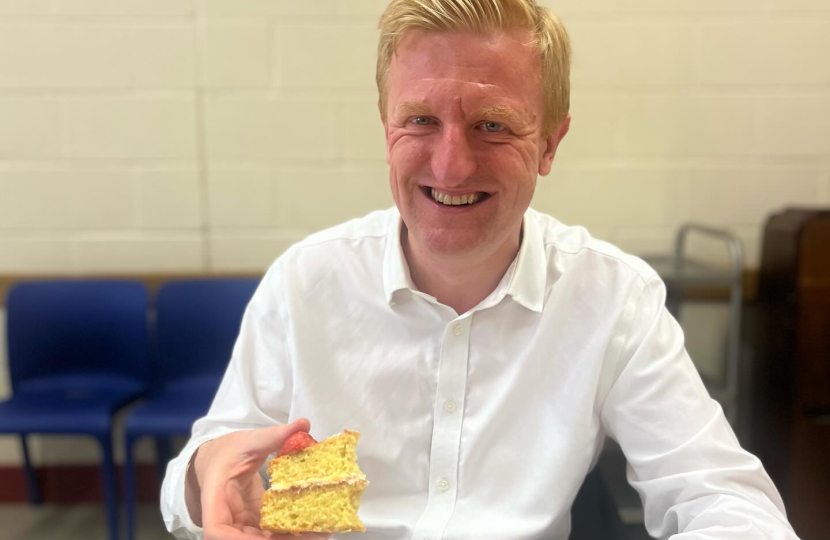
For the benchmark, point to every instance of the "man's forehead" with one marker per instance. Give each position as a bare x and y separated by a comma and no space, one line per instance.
430,69
428,92
438,82
424,95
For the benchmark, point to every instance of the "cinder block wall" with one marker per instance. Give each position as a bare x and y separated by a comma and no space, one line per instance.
208,135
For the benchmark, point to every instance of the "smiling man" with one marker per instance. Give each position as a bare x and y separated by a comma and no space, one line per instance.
466,138
483,350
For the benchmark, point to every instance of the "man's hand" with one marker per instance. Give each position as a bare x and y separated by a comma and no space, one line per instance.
227,473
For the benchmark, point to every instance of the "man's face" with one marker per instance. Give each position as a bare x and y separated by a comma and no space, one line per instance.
464,123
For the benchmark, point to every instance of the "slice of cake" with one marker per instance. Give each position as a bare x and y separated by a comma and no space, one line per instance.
315,487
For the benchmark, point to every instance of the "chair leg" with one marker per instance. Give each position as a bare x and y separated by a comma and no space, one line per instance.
129,487
110,490
31,474
162,457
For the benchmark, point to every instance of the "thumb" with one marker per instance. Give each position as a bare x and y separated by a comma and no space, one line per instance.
268,440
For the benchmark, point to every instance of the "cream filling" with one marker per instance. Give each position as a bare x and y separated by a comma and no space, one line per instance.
331,480
454,200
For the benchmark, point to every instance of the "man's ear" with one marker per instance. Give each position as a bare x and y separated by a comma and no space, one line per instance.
551,144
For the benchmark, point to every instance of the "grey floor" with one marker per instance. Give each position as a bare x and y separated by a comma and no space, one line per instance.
77,522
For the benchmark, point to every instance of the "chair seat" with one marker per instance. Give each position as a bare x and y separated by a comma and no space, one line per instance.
169,413
73,409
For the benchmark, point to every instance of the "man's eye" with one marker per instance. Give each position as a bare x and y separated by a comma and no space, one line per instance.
492,127
421,120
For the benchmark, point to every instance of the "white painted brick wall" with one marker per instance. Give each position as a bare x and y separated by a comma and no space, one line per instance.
124,7
243,197
168,198
624,54
699,126
795,124
32,7
643,197
351,192
156,251
324,61
81,199
269,129
126,127
233,248
210,135
217,124
237,55
30,128
764,53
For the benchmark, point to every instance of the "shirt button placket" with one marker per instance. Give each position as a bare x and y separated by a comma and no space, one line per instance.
446,435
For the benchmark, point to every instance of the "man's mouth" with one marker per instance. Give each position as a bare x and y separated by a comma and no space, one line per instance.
464,199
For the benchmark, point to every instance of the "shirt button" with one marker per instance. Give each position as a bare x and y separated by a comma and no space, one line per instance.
457,330
443,485
450,406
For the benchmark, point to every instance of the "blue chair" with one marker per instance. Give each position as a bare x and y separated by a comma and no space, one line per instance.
78,352
197,322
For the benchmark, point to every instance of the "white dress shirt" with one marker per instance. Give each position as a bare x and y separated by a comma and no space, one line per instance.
483,425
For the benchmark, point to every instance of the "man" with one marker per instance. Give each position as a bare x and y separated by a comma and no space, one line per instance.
482,349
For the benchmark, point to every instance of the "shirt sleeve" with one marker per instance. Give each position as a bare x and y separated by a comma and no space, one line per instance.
255,392
695,480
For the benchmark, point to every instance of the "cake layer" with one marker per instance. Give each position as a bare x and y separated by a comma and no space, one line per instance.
332,460
351,480
318,508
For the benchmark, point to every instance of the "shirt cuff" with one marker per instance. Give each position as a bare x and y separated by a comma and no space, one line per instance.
173,499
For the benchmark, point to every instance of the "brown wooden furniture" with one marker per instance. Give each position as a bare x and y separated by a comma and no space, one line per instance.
790,377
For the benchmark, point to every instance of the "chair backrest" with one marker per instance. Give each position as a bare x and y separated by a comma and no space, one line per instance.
197,323
77,327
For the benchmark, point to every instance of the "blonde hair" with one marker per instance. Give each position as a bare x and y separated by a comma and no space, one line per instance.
484,16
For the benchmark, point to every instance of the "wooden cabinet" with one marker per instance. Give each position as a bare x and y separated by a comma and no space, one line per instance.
788,425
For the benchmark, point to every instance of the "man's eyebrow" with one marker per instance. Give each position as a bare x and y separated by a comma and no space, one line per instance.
498,112
501,112
411,108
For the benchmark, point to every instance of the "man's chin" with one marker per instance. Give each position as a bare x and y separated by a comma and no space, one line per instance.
450,244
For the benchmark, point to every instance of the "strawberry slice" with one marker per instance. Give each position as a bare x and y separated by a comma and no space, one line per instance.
296,442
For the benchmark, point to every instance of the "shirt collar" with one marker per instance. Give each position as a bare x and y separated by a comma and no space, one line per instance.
395,269
526,285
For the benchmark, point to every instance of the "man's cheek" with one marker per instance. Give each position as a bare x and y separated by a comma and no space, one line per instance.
394,138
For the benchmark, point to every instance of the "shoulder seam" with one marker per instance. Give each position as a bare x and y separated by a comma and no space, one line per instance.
643,278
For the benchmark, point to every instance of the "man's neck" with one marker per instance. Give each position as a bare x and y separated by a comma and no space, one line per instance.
459,282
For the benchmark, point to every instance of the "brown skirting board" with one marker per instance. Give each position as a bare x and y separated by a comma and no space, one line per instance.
73,484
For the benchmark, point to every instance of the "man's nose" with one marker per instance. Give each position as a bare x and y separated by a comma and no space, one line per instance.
453,160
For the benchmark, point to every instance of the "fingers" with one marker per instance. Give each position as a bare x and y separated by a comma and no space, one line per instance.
228,532
226,470
253,531
242,452
301,536
277,536
269,440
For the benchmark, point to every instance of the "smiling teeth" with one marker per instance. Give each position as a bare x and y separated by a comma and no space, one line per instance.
453,200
